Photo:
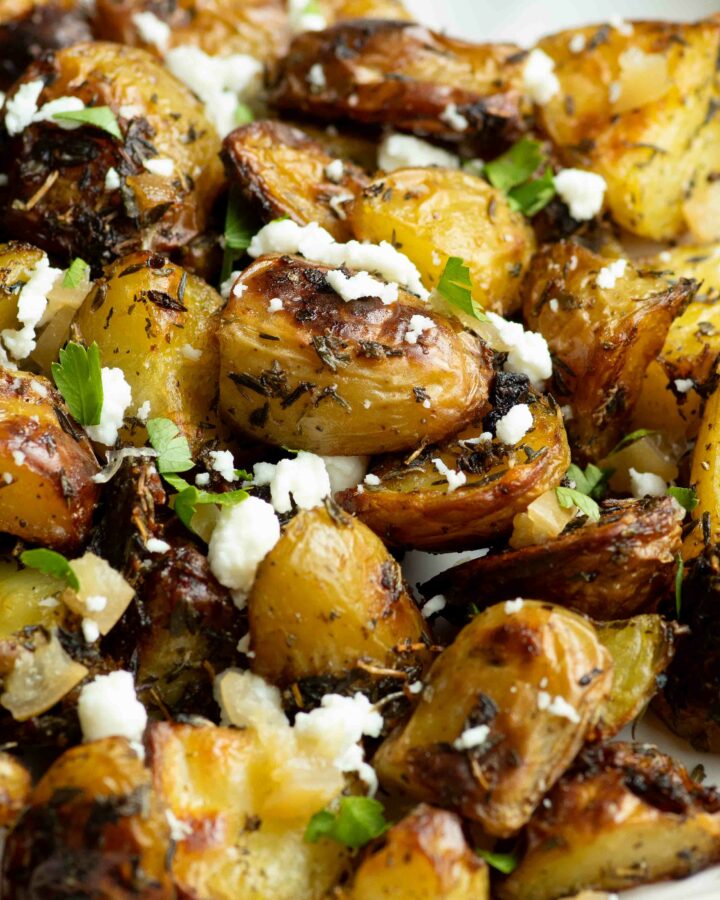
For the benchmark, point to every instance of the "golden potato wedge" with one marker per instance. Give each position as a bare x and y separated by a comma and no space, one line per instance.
424,857
602,338
329,600
705,478
402,74
337,377
621,566
433,214
21,594
57,195
93,812
157,323
47,494
415,506
338,10
504,710
635,108
624,815
284,172
15,787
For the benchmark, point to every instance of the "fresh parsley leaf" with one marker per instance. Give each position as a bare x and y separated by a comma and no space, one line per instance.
532,196
76,273
592,481
242,475
686,497
679,584
512,174
569,497
503,862
50,563
632,438
78,376
243,114
172,447
101,117
189,497
456,287
239,231
357,821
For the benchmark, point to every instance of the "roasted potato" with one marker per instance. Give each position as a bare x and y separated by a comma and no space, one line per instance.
14,789
414,505
337,377
157,323
47,494
433,214
624,815
705,478
634,108
402,74
329,600
22,592
621,566
284,172
424,857
504,710
57,195
94,824
602,338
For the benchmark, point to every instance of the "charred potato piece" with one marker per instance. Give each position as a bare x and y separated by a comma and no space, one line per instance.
157,323
48,496
219,27
57,194
434,214
634,108
415,506
621,566
29,27
484,738
285,172
602,338
337,377
402,74
93,816
329,599
624,815
425,857
15,787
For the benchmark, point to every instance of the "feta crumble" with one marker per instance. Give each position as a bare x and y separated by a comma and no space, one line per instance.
400,151
455,479
472,737
143,411
32,303
371,480
117,396
18,457
242,537
614,91
22,106
162,166
417,327
513,606
90,630
577,43
416,687
683,385
316,77
620,25
646,484
275,305
554,305
108,707
191,353
227,285
608,276
528,351
514,425
434,605
557,706
345,472
95,603
155,545
454,118
335,171
305,477
540,82
202,479
222,462
152,30
360,286
48,110
582,192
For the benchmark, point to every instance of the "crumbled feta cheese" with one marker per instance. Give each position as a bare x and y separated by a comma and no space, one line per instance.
47,112
302,16
108,707
514,425
179,830
646,484
49,602
665,256
163,166
143,411
416,687
227,285
112,179
155,545
7,477
316,77
337,203
117,396
418,326
275,305
582,192
528,351
557,706
400,151
22,106
480,439
540,82
608,275
242,537
152,30
614,91
554,304
345,472
371,480
90,630
434,605
190,352
18,457
222,461
472,737
367,404
361,286
32,303
455,479
426,403
619,24
202,479
335,170
577,43
513,606
455,119
683,385
304,476
95,603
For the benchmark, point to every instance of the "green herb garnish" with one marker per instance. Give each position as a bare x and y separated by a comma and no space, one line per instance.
239,231
512,173
531,197
243,114
632,438
357,821
49,562
455,285
172,446
101,117
686,497
592,482
189,497
503,862
78,376
569,497
76,273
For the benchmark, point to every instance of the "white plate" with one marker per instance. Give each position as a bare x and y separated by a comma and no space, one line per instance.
524,21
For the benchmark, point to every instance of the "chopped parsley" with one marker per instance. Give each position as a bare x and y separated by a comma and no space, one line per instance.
503,862
455,285
512,173
686,497
77,272
243,114
101,117
592,482
49,562
189,497
78,377
239,231
357,821
172,446
569,497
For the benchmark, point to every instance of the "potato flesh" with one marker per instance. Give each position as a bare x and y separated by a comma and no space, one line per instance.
14,789
705,478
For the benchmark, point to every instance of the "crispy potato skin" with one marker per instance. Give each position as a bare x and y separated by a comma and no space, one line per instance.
624,815
51,498
219,27
144,314
282,171
299,377
617,568
649,155
94,822
434,214
15,788
425,857
412,506
402,74
489,675
328,599
74,214
602,339
705,478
